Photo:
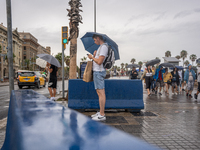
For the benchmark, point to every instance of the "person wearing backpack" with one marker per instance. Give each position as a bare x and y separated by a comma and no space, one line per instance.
99,74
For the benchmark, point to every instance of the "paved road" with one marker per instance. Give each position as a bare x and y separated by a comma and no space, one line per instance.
4,96
169,122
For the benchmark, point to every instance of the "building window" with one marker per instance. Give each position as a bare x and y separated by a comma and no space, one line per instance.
24,57
24,47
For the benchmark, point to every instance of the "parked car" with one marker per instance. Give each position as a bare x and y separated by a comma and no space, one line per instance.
31,78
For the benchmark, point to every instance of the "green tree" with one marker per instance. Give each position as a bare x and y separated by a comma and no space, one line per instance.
178,57
193,57
183,55
140,63
126,64
6,58
84,58
168,54
67,60
27,64
122,65
186,62
133,60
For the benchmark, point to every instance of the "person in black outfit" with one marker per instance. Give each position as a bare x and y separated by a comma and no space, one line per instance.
175,80
53,70
134,73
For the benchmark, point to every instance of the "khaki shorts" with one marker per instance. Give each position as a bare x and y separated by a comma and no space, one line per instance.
159,84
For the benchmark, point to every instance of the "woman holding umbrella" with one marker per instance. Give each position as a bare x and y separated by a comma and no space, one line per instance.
167,79
148,74
175,80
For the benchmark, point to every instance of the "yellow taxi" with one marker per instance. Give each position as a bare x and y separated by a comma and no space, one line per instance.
31,78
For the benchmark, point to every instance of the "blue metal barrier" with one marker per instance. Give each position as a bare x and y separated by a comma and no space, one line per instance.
36,123
120,94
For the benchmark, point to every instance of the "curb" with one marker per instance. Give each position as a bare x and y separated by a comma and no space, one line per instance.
6,84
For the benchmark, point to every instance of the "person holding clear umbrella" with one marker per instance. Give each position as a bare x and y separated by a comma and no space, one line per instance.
53,70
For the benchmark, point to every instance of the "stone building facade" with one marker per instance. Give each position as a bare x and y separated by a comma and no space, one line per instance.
17,51
25,47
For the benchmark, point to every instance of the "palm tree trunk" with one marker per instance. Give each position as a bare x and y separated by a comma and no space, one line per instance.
73,52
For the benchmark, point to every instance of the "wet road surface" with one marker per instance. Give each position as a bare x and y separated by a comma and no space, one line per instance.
169,122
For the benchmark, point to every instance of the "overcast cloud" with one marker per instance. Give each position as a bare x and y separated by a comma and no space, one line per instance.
143,29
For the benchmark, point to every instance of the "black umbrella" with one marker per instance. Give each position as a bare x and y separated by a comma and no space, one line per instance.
133,66
166,65
152,62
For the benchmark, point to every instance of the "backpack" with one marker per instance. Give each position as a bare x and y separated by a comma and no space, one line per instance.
110,58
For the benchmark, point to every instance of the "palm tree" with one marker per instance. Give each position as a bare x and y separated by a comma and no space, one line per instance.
168,54
75,19
193,57
140,63
186,62
178,57
133,60
122,65
183,55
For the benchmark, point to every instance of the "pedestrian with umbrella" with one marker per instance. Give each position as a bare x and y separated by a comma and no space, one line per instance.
148,74
52,67
134,73
189,78
175,81
100,45
159,79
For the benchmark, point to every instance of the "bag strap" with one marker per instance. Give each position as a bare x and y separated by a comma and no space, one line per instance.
99,53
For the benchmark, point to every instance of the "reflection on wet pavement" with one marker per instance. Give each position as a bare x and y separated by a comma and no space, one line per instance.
168,121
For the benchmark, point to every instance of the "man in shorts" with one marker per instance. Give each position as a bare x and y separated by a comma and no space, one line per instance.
198,80
159,79
99,73
53,70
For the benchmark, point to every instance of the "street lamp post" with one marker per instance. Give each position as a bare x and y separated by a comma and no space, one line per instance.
10,48
94,15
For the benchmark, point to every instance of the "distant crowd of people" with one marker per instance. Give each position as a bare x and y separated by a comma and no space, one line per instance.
161,78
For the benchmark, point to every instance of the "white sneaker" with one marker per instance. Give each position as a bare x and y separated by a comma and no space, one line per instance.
98,113
176,93
99,118
53,99
173,93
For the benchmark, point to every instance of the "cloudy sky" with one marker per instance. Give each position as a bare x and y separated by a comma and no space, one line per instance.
143,29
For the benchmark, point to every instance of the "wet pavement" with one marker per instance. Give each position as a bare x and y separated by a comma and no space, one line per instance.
169,122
